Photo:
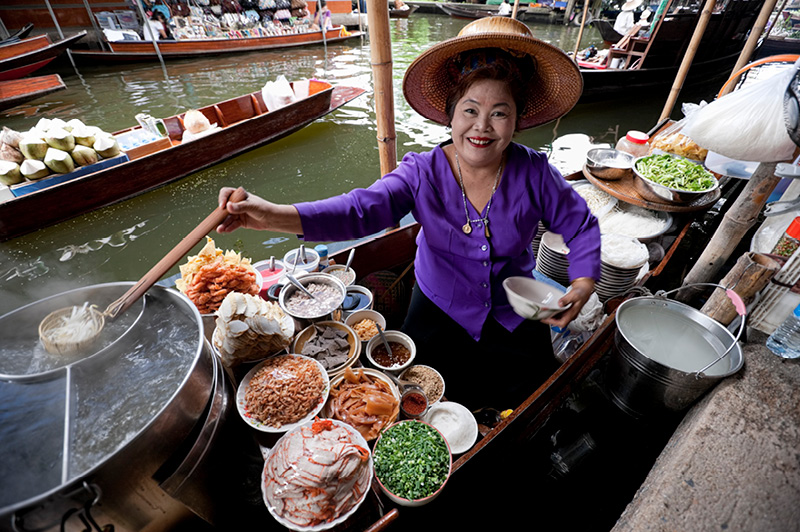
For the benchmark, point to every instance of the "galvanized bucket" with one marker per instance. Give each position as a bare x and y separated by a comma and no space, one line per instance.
687,353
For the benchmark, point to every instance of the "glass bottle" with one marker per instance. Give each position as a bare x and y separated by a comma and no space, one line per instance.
789,240
785,340
635,143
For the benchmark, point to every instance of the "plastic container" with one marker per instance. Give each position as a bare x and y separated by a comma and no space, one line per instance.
322,251
635,143
270,276
789,241
311,264
785,341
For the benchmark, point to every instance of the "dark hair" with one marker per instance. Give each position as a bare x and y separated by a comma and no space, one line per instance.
515,73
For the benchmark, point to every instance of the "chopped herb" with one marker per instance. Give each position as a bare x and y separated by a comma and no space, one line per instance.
675,172
411,460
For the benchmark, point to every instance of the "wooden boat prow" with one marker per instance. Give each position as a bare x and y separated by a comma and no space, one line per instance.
16,91
20,58
244,123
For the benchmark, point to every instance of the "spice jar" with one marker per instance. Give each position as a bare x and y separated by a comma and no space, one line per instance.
635,143
789,240
413,403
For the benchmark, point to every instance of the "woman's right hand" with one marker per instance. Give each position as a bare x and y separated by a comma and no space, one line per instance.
257,213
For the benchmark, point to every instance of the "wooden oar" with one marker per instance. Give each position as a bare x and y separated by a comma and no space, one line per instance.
580,32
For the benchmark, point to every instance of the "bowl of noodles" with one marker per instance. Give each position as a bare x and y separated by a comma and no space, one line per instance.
365,399
282,393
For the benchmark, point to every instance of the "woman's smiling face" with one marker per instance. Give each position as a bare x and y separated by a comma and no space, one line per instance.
484,121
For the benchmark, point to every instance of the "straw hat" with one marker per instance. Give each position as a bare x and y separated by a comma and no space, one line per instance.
553,90
630,5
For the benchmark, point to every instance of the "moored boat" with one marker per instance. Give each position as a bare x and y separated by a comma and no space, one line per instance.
21,57
468,11
244,123
19,34
132,51
402,13
16,91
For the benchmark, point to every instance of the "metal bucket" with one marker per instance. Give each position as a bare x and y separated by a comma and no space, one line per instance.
667,355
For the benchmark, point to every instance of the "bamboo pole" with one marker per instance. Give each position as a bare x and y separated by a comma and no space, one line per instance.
514,11
688,57
381,60
737,221
752,40
580,32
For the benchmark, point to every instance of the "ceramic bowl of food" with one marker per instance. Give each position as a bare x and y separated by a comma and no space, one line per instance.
328,291
609,164
427,378
365,323
667,178
346,275
532,299
412,463
333,344
403,351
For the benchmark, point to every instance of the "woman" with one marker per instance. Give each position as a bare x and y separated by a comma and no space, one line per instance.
326,16
479,199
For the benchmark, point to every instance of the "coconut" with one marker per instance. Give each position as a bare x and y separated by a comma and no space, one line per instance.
34,169
9,153
44,124
83,155
10,137
106,146
9,173
33,147
59,161
60,139
72,124
195,122
57,122
83,135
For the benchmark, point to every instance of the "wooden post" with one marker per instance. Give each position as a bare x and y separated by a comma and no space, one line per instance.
737,221
514,11
749,276
580,32
568,11
688,57
752,41
381,58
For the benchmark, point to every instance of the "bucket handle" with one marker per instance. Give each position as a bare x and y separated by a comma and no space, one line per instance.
741,310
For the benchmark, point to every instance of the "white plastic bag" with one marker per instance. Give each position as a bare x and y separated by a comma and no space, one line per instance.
278,93
747,124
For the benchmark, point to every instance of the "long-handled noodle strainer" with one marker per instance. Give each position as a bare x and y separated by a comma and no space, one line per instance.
51,327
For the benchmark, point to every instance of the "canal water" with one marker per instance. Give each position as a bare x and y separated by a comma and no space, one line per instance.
331,156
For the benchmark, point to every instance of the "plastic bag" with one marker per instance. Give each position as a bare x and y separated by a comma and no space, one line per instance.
672,140
278,93
747,124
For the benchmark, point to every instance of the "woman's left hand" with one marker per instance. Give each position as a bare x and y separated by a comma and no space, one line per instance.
581,290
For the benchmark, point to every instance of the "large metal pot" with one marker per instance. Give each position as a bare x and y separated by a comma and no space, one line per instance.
91,438
663,350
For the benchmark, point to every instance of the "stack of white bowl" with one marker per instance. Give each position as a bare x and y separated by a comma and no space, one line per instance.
552,258
622,259
538,239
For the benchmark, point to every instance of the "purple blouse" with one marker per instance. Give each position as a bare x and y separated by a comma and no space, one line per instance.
463,274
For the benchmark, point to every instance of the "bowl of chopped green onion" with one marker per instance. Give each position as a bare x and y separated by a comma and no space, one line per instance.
412,462
668,178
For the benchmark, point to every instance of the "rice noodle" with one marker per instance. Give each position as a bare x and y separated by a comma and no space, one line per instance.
78,327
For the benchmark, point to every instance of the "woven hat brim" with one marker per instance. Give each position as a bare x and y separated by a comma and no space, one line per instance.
552,92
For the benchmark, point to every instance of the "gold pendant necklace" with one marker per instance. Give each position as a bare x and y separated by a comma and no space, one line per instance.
467,227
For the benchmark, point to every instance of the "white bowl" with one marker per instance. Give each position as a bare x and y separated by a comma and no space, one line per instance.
532,299
241,403
392,336
413,502
456,423
366,314
404,376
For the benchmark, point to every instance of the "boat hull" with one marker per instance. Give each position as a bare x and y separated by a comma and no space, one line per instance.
132,51
17,91
57,203
20,58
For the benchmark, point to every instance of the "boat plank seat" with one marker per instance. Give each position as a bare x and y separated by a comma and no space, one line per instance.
236,110
24,46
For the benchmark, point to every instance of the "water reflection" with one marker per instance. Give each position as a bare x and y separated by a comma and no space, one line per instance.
330,156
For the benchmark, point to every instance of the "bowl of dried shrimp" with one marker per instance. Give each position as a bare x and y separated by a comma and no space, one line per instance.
304,494
328,292
365,399
282,393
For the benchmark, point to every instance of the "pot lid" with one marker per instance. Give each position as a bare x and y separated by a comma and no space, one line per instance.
61,418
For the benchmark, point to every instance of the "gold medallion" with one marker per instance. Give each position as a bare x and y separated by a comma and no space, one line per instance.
467,228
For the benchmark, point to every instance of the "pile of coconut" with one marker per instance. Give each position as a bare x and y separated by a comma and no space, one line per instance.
53,146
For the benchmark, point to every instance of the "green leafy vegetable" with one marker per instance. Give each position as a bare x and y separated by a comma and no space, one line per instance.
411,460
675,172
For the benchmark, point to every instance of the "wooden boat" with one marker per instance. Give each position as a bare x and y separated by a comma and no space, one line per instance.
19,34
131,51
607,31
244,124
651,64
776,45
20,58
402,13
16,91
471,11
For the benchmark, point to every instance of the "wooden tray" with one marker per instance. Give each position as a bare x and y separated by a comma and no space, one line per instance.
625,190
